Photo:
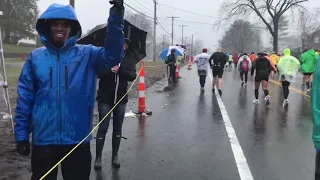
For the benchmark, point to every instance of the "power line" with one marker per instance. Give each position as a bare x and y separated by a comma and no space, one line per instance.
143,6
189,11
138,11
141,9
192,22
160,10
163,28
195,22
166,30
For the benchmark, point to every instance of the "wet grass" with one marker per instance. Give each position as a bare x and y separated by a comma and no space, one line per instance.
11,48
17,60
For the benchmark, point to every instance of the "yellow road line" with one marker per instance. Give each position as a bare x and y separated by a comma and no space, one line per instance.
291,88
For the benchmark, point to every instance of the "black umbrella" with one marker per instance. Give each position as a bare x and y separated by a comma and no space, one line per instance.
137,37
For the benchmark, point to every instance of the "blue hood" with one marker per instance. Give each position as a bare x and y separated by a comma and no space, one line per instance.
58,11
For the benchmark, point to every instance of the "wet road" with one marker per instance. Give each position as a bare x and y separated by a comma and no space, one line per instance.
186,137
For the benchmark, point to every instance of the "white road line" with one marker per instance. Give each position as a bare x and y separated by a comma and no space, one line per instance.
241,161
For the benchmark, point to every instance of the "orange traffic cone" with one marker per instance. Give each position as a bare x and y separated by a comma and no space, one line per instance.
142,93
177,72
189,63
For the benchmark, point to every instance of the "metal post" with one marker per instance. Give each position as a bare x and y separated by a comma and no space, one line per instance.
182,31
154,31
192,45
6,93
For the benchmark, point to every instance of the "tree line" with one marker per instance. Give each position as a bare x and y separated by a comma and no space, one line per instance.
18,19
275,16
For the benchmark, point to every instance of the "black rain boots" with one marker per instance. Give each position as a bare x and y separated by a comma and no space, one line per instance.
99,147
116,139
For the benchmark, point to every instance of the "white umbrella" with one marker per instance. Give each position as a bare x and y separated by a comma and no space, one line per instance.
177,48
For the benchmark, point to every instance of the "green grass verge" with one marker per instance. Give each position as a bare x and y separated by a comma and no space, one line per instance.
11,48
8,61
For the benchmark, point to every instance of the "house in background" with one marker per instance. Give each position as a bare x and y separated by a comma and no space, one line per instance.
29,41
314,40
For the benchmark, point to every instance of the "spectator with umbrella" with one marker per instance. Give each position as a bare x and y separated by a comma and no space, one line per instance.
112,87
169,55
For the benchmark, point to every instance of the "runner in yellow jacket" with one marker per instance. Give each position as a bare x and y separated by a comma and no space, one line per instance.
288,67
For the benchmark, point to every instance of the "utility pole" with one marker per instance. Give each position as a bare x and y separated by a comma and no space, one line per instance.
71,2
154,31
182,30
163,41
192,45
172,17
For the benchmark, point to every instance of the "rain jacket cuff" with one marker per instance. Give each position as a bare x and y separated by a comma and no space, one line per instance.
21,136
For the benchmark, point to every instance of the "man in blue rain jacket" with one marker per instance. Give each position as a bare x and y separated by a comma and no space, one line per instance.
56,91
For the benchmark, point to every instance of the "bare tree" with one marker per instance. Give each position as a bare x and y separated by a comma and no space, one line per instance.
257,42
307,25
239,37
283,32
262,8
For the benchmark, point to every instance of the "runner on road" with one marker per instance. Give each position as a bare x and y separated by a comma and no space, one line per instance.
202,65
235,60
230,60
308,61
252,57
274,59
262,68
288,67
244,67
217,62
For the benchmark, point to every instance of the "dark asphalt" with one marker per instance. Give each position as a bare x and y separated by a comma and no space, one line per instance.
276,141
186,138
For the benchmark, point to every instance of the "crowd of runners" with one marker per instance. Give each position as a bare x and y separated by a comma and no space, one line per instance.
262,66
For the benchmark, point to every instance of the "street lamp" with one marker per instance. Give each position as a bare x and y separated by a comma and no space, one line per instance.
192,42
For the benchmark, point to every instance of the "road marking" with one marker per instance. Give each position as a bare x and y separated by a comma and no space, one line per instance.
241,161
291,88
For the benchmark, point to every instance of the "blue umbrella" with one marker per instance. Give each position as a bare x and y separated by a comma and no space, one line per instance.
165,53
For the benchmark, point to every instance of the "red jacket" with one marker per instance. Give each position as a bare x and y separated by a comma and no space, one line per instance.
235,58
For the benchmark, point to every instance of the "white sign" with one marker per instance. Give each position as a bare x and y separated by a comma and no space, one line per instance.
1,13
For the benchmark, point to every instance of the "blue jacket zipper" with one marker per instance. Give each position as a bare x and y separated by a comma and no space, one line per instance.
59,105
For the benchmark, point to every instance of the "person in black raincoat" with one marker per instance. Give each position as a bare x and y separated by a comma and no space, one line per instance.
112,87
171,62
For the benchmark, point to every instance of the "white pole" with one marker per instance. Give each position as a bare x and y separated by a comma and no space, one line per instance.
6,93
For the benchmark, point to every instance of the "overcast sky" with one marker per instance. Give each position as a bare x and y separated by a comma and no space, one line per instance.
90,14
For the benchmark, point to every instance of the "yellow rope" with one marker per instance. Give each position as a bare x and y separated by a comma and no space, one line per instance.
92,129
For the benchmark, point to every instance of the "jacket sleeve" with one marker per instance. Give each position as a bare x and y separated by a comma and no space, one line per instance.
239,62
112,52
105,73
128,72
196,59
271,67
26,94
210,59
253,67
315,104
280,64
